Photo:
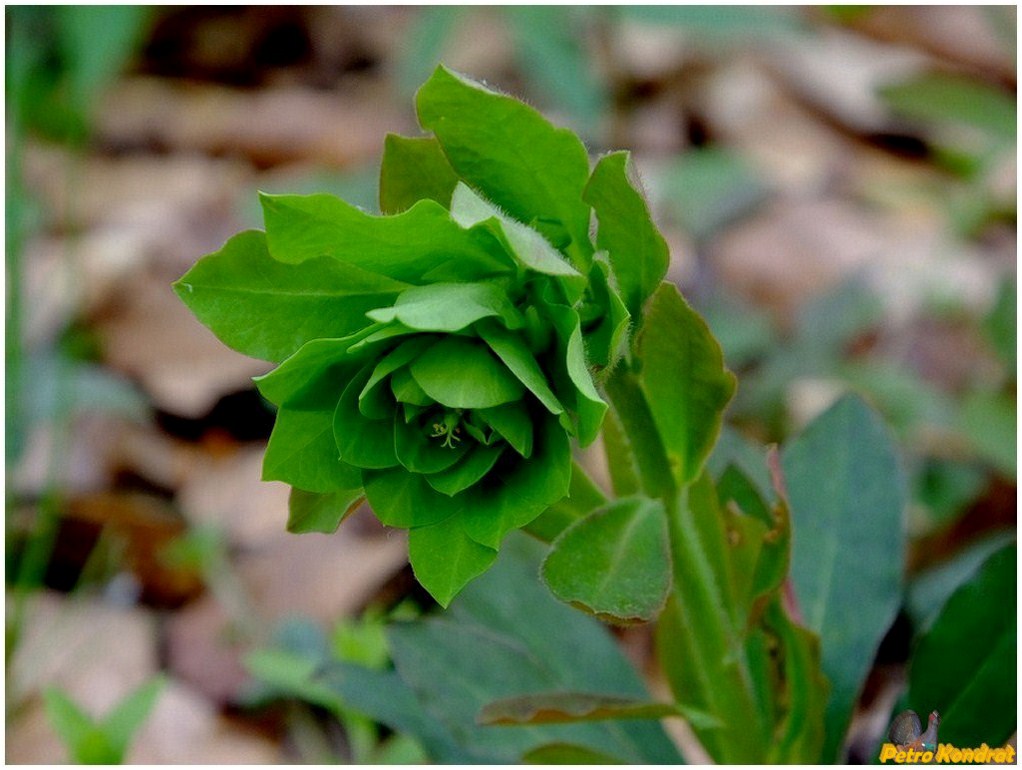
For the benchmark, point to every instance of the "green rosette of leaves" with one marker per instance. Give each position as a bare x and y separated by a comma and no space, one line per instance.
439,359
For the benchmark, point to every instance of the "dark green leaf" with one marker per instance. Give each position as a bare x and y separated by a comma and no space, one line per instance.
360,441
480,651
615,563
373,401
467,472
847,498
302,452
511,498
403,499
965,667
445,558
457,372
316,512
293,303
513,423
638,252
419,246
684,379
567,707
413,169
513,155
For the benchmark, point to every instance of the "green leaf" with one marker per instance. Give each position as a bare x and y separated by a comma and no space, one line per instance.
480,651
965,667
121,724
584,496
510,498
360,441
1001,324
444,558
84,738
684,379
459,373
624,474
848,547
513,155
302,452
568,754
419,246
300,378
516,355
293,673
954,99
930,589
638,252
989,422
615,563
589,407
470,470
373,401
402,499
526,245
321,512
567,707
449,307
294,304
513,423
414,169
604,341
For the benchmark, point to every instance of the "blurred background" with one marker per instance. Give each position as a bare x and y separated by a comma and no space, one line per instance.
838,185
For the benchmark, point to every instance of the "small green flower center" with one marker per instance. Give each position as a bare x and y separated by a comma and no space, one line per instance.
448,428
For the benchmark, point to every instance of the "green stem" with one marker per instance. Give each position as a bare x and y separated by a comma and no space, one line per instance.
698,625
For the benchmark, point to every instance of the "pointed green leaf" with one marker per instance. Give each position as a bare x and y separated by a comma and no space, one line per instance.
293,303
449,307
470,470
460,373
584,496
965,666
373,401
420,245
684,379
615,563
321,512
638,252
297,377
302,452
565,707
83,737
589,407
413,169
605,341
445,559
362,442
513,351
513,422
513,155
402,499
407,391
530,248
847,500
121,724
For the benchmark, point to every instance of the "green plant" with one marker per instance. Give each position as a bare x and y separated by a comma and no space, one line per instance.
440,359
92,741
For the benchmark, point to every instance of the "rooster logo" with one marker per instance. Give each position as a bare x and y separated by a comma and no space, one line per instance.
907,732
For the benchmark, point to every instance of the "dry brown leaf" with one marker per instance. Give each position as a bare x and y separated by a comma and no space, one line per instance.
153,337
